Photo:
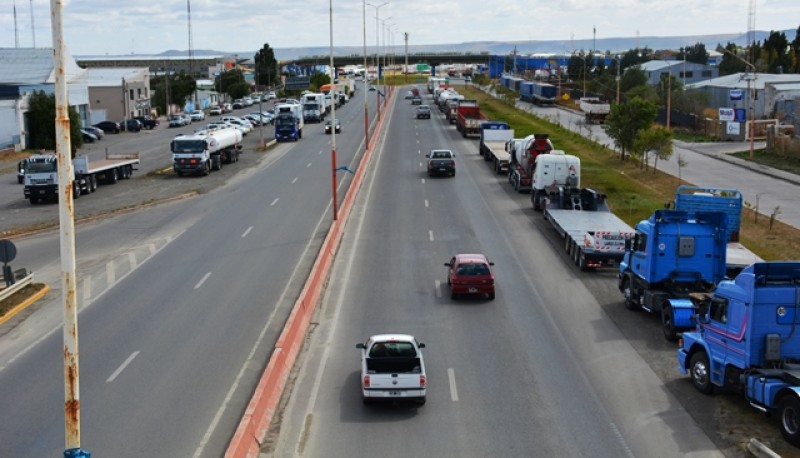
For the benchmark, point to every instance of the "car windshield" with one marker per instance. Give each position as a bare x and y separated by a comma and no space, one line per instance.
473,269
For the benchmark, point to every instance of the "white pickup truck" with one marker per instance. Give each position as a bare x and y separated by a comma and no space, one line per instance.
392,369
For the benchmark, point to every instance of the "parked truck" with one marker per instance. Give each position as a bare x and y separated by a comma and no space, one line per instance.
392,369
747,342
729,202
494,138
523,159
593,236
469,118
205,150
672,255
41,174
288,122
541,93
595,110
313,107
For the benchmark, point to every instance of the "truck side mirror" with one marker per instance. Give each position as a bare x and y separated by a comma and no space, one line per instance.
361,345
628,243
421,345
447,264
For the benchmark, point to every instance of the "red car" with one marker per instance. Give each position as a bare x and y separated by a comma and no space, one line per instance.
470,274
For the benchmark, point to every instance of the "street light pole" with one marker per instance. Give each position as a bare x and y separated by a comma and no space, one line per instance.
366,110
619,64
333,119
377,62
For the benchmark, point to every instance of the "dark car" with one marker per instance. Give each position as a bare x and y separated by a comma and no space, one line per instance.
441,162
109,126
88,137
148,122
328,126
423,111
131,125
470,274
416,100
98,132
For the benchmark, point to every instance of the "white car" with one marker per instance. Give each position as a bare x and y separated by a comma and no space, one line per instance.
197,115
245,124
392,369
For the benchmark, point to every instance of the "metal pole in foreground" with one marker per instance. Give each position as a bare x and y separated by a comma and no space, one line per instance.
366,110
333,120
72,404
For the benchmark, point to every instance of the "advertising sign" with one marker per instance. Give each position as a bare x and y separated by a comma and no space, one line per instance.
732,128
736,94
726,114
741,115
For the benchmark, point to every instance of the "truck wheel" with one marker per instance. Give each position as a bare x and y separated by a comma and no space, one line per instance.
700,371
789,412
112,176
129,170
581,260
207,169
627,292
92,183
76,190
668,323
34,200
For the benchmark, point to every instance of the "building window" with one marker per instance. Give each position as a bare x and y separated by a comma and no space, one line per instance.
131,94
687,74
706,73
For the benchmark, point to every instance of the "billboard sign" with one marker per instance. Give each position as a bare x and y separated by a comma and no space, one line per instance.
726,114
736,94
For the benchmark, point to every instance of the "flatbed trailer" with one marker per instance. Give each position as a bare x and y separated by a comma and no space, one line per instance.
493,148
593,236
41,179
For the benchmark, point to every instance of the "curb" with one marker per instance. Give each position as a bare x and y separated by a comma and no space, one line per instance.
257,418
757,449
24,304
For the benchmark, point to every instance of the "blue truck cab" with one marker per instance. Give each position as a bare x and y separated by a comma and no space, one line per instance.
748,340
672,254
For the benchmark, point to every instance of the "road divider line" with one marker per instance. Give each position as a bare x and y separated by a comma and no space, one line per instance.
430,235
132,260
110,272
202,280
87,288
426,203
438,286
451,377
295,180
247,231
423,181
309,164
122,367
274,202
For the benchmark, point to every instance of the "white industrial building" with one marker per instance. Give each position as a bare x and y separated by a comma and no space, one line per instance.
738,90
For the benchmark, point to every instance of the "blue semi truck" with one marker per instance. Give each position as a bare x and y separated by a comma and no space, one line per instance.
748,341
672,255
537,93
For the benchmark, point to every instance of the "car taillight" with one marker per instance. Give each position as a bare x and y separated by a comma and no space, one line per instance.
365,382
422,381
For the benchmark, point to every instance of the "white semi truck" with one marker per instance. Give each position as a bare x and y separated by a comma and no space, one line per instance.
313,107
41,174
205,150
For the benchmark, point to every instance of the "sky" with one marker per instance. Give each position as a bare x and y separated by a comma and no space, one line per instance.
106,27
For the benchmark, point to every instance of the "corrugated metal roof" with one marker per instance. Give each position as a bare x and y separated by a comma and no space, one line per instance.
739,81
33,66
112,77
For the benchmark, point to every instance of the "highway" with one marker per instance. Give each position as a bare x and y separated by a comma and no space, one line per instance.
540,371
178,319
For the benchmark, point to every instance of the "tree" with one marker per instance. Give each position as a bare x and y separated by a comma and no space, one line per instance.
319,79
730,64
42,122
633,77
656,141
266,67
775,52
626,120
796,51
696,54
232,83
180,87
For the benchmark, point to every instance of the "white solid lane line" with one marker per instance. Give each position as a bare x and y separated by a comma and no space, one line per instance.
274,202
122,367
247,231
430,235
202,280
451,376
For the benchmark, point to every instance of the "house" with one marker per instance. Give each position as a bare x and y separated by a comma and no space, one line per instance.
24,71
680,70
117,93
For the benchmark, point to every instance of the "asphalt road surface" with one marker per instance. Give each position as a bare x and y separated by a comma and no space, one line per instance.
540,371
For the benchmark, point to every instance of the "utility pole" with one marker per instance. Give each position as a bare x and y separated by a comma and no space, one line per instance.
405,35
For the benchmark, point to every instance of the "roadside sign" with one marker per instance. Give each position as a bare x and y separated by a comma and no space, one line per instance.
7,251
297,83
726,114
732,128
736,94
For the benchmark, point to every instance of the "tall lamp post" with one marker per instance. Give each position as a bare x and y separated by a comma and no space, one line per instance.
377,46
385,51
333,118
366,110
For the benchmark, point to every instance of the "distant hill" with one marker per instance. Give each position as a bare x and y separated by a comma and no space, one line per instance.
613,45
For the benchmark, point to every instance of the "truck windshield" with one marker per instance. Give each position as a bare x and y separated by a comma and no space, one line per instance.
188,146
284,120
42,167
310,106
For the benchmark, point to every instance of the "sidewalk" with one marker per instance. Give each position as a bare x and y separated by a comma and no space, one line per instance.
722,151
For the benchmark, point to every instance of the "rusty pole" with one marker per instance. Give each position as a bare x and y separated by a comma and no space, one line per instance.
333,119
366,91
72,402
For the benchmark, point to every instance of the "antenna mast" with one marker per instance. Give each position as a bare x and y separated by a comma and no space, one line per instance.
16,31
33,29
751,29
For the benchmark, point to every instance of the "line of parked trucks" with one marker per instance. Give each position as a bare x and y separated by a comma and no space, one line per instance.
736,317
